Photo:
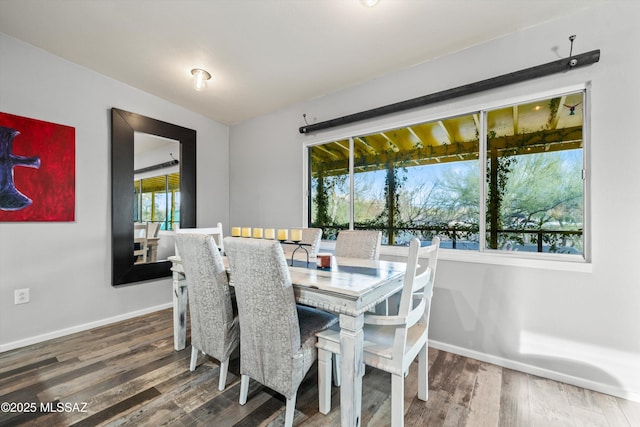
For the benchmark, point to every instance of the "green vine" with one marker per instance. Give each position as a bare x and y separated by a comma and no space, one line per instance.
554,104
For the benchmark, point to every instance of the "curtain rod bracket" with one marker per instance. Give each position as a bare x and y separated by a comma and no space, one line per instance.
573,62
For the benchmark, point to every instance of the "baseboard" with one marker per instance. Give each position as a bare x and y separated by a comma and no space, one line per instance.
79,328
541,372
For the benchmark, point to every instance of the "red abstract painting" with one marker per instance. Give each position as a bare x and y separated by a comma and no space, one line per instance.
37,170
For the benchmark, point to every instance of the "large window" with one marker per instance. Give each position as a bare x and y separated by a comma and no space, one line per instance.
157,199
512,174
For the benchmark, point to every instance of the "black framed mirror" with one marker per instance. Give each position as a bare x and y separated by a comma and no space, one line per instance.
124,125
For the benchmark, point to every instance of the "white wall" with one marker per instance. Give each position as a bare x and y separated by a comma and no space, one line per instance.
67,265
576,326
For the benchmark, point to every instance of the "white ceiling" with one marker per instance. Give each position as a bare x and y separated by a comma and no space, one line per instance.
263,54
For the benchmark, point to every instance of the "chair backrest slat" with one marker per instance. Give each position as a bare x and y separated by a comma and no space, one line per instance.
418,282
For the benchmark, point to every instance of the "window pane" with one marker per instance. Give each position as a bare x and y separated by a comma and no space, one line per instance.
146,205
368,198
534,176
160,208
175,211
158,200
420,181
329,184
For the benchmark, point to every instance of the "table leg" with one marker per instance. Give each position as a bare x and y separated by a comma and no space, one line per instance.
179,311
351,369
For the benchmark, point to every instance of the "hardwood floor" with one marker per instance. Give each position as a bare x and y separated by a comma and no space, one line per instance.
128,374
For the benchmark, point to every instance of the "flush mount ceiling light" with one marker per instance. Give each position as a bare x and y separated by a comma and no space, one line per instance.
369,3
200,78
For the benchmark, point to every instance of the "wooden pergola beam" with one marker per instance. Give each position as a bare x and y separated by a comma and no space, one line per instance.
515,145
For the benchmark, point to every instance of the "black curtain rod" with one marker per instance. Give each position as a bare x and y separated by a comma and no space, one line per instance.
156,167
543,70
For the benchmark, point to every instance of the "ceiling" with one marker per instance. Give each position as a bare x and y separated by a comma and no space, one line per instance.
264,55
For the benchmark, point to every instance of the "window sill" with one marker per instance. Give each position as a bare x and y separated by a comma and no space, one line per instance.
540,261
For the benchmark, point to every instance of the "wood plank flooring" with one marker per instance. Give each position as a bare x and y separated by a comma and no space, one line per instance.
128,374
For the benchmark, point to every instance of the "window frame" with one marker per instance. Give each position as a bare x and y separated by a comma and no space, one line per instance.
482,255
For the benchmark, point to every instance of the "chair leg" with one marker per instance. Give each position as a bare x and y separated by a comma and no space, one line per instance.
423,373
224,368
290,411
336,370
397,400
244,388
194,358
324,381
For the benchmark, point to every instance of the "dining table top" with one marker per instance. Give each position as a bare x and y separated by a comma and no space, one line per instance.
348,276
350,285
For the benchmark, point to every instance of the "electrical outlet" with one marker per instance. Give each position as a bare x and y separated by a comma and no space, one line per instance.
21,296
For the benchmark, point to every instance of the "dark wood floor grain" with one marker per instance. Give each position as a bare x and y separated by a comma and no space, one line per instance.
127,373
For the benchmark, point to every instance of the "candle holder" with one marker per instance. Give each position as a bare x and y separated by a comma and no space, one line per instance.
300,246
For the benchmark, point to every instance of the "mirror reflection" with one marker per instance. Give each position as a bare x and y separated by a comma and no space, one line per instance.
156,205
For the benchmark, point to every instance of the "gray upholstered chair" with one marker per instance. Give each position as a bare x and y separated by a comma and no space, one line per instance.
363,244
311,236
215,329
391,343
277,344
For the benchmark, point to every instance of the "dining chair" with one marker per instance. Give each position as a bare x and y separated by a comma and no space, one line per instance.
391,343
277,344
215,329
310,236
216,232
363,244
154,228
140,236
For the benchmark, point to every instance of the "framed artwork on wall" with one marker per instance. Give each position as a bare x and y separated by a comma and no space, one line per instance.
37,170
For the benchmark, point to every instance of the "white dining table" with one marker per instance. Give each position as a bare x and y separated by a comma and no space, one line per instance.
349,288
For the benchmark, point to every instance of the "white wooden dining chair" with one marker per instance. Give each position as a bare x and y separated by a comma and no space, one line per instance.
215,330
216,232
154,229
391,343
140,236
277,343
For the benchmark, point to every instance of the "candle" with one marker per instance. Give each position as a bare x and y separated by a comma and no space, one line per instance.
257,233
283,234
269,233
246,231
235,231
296,235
